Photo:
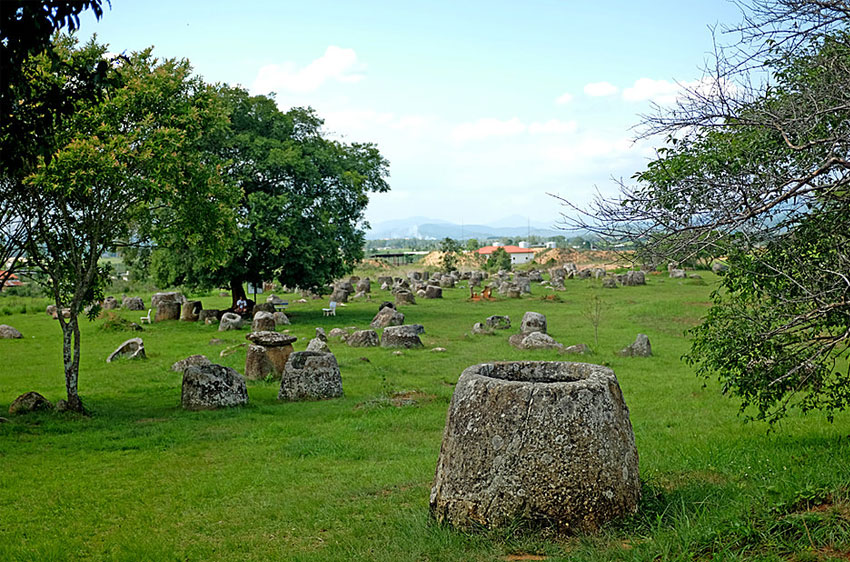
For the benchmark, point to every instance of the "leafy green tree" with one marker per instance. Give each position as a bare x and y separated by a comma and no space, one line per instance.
472,244
450,248
499,260
759,170
301,216
26,28
132,140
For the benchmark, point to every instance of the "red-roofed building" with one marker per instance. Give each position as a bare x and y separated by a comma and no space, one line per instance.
518,255
12,281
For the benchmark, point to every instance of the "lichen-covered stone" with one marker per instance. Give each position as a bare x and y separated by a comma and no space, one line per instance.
9,333
338,333
433,292
401,336
212,386
263,322
634,278
29,402
499,322
581,349
167,310
280,319
534,340
533,322
387,317
172,296
271,339
640,348
257,363
609,283
190,311
134,348
229,321
180,366
318,344
310,375
363,338
132,303
538,442
209,316
404,297
109,303
481,329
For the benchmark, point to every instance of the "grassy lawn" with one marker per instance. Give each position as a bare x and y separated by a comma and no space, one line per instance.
349,479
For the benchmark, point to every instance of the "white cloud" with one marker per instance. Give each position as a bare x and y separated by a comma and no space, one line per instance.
336,64
553,126
659,91
487,127
564,98
600,89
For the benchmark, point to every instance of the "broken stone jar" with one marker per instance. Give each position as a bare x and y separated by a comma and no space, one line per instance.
538,442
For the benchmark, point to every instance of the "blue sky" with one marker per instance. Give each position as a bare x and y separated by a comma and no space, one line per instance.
482,108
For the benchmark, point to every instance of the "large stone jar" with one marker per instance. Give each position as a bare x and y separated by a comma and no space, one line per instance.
543,442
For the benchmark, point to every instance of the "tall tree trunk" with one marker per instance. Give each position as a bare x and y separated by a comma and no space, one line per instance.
71,356
237,290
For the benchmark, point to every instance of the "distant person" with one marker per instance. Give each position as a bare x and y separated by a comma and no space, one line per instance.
241,306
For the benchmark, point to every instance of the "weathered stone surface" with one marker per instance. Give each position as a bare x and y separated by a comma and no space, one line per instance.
134,348
51,310
481,329
364,286
109,303
274,299
523,283
209,316
9,333
363,338
634,278
181,365
263,322
678,274
340,294
536,442
404,297
257,363
447,282
320,334
338,333
230,321
231,349
719,268
387,317
29,402
271,339
167,297
167,310
609,283
132,303
385,279
310,375
401,336
532,322
317,344
190,311
385,304
580,348
212,386
640,348
280,319
499,322
263,307
433,292
534,340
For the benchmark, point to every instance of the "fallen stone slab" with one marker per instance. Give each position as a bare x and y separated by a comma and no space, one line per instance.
640,348
181,365
212,386
9,333
401,336
29,402
134,348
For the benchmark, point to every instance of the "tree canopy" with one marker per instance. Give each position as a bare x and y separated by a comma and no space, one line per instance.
132,140
756,166
301,216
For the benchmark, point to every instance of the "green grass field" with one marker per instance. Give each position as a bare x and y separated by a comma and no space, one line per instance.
349,479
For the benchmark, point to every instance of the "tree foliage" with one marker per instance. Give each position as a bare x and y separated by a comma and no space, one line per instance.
756,166
132,140
499,260
450,248
301,216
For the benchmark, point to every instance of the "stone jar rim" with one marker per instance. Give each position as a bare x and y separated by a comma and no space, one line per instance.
544,373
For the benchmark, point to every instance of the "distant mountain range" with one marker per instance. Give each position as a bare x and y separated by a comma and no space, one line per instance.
425,228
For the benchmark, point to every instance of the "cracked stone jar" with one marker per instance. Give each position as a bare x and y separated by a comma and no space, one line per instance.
537,443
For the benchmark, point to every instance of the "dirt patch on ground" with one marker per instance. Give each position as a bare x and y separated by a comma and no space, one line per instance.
585,258
465,260
524,556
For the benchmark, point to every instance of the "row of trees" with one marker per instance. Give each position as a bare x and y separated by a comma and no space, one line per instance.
205,185
756,166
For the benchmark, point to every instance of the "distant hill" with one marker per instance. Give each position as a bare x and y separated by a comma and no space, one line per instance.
423,227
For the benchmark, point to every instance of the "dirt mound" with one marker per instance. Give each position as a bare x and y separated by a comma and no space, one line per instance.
599,258
466,260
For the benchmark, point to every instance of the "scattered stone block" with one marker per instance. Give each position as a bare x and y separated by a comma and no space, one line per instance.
280,319
263,322
172,296
387,317
230,321
363,338
181,365
29,402
190,311
134,348
257,363
640,348
401,336
167,310
433,292
536,442
404,297
319,345
499,322
533,322
132,303
9,333
310,375
212,386
209,316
